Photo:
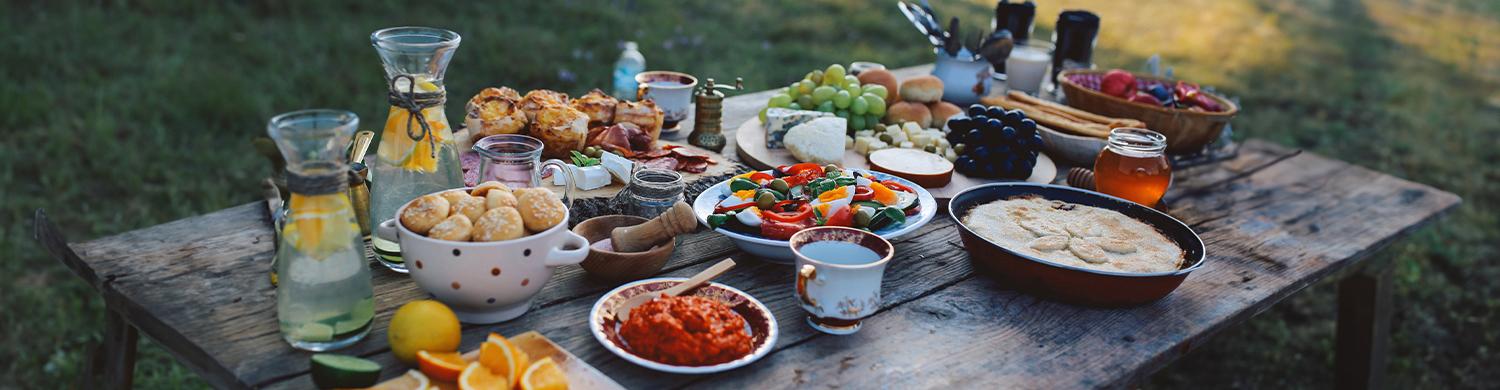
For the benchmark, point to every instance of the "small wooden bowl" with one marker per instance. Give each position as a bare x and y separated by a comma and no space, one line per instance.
620,266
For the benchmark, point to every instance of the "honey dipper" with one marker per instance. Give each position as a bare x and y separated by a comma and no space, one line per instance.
677,220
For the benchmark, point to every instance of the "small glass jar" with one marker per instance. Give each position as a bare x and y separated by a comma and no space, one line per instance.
651,192
1133,166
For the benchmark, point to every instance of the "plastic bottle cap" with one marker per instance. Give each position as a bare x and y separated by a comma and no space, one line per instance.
630,45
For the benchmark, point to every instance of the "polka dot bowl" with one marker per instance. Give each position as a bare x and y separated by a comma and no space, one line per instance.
486,282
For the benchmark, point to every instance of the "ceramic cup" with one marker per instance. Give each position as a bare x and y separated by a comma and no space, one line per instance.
485,282
839,285
672,92
964,80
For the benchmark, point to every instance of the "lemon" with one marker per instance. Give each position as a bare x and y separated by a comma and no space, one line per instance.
424,325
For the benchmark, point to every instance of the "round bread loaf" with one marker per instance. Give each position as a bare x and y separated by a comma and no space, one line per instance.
922,89
903,112
941,111
882,77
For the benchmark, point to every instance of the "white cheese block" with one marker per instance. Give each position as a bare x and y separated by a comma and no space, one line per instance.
911,127
818,141
848,142
907,145
781,120
590,177
862,144
921,139
864,133
619,167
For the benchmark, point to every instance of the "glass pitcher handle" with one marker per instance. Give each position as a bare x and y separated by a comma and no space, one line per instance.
567,172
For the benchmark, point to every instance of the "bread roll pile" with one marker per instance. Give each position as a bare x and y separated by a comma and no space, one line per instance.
488,212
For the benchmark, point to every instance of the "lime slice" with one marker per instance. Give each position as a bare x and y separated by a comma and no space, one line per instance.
364,310
347,328
313,332
343,371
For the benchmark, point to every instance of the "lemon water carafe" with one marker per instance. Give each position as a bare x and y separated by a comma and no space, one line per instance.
324,299
417,154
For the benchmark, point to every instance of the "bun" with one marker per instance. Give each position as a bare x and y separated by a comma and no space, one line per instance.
456,228
539,208
922,89
498,224
424,213
941,111
882,77
468,206
497,198
485,187
909,112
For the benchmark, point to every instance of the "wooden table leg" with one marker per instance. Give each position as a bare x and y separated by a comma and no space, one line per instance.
1364,324
119,352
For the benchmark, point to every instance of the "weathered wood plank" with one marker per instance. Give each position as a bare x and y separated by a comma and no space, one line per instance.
119,352
1288,225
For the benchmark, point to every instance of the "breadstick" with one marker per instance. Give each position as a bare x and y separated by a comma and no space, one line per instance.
1049,119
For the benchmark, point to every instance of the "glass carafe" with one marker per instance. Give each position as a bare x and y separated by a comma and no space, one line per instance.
418,154
323,299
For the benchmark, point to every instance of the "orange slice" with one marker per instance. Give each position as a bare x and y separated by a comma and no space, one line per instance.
398,148
544,375
519,359
443,366
499,359
413,380
478,377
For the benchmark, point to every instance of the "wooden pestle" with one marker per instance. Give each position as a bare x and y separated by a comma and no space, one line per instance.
677,220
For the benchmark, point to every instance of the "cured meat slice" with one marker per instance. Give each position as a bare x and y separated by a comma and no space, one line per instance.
667,163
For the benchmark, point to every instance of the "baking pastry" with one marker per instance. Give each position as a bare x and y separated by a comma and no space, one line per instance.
485,187
561,128
455,228
500,223
539,208
1074,235
922,89
941,111
599,106
903,112
469,206
424,213
495,111
538,98
643,114
497,198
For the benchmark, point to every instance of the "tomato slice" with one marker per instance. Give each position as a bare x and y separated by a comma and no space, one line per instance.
761,177
844,216
798,168
779,230
804,212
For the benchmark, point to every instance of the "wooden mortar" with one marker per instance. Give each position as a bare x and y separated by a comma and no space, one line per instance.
677,220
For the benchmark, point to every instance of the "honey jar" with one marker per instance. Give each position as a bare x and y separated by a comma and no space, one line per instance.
1132,166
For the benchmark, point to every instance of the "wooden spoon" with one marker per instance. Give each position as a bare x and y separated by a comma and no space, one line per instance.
622,313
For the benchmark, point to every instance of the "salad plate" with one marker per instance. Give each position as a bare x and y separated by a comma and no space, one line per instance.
917,202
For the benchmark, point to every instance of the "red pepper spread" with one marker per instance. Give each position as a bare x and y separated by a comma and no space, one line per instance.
692,331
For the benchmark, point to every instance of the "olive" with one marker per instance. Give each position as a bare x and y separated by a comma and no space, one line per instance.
930,149
592,151
863,216
886,138
831,168
960,148
765,200
779,185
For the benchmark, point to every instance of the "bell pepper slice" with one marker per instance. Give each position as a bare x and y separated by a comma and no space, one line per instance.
803,212
863,193
721,210
798,168
780,230
892,184
844,216
761,177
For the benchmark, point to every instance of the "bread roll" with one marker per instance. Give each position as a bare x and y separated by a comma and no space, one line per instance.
468,206
539,209
882,77
498,198
498,224
941,111
484,188
425,212
561,128
903,112
922,89
455,228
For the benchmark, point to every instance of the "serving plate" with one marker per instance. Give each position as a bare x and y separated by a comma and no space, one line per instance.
1069,283
780,251
760,322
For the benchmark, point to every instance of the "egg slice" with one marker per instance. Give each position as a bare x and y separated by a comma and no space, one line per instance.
835,198
750,216
738,198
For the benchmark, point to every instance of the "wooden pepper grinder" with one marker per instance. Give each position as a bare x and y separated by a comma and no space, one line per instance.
677,220
708,117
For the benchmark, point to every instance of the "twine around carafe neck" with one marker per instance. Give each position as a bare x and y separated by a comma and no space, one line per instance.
414,102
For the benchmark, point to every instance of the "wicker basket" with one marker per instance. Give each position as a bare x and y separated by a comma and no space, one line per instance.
1187,131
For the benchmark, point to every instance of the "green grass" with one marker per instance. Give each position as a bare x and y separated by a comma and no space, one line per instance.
120,117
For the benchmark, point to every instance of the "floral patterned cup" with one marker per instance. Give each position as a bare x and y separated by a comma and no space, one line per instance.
839,271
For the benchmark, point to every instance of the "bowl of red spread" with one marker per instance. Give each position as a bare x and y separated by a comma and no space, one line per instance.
709,329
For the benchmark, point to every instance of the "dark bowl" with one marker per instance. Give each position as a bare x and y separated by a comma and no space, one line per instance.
1068,283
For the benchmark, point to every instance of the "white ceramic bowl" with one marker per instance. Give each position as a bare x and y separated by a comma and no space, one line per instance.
761,323
1075,150
486,282
780,251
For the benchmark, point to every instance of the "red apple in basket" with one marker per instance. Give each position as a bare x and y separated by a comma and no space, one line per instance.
1118,83
1145,98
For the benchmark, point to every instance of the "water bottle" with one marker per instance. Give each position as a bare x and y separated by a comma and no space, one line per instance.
630,63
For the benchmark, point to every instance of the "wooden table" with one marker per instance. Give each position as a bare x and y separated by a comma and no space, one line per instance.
1274,220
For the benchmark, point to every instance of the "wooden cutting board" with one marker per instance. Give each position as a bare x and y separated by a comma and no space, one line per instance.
595,202
750,141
